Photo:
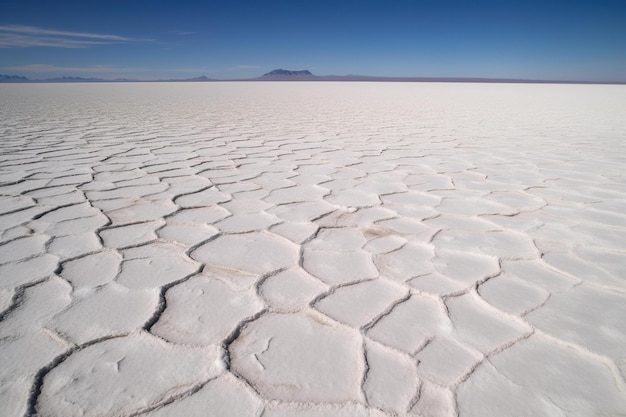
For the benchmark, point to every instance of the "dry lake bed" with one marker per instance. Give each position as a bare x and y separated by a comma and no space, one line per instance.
312,249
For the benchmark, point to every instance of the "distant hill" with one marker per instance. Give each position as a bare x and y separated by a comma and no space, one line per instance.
287,75
201,78
300,75
287,72
12,79
74,80
65,79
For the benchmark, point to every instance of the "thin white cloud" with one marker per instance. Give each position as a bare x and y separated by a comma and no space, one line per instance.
31,30
46,68
247,67
18,36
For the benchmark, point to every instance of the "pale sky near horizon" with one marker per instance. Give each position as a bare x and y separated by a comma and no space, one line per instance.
558,40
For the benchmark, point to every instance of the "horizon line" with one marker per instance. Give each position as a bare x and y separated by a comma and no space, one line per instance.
18,79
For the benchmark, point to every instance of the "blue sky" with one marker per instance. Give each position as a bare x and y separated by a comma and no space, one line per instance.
561,40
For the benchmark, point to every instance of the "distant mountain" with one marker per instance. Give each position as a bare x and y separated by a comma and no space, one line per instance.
287,75
201,78
74,80
66,79
12,79
287,72
301,75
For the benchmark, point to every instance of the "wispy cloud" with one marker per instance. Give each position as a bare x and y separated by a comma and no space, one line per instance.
16,36
247,67
46,68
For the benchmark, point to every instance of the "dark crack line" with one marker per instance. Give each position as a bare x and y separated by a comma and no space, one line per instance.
234,335
38,380
162,303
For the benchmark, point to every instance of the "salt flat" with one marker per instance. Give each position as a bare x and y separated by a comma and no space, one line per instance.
312,249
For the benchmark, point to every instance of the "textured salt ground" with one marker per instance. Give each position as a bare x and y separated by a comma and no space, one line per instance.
295,249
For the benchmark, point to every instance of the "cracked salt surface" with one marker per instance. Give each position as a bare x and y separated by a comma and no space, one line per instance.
431,250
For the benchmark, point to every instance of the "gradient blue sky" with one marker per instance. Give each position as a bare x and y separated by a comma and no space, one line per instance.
561,40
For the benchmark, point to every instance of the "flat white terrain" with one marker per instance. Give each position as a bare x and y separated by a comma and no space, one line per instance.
312,249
